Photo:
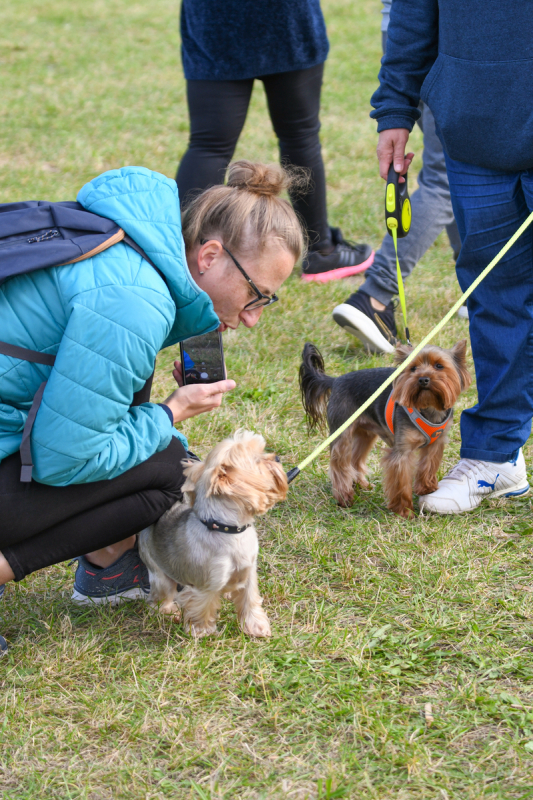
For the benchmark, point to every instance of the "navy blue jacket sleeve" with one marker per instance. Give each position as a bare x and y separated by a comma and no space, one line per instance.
412,49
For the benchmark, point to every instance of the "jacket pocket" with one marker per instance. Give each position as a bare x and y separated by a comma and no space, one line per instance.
482,112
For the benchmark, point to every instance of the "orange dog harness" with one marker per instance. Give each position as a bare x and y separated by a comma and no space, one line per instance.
431,431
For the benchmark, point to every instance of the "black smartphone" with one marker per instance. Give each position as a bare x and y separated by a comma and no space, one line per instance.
202,359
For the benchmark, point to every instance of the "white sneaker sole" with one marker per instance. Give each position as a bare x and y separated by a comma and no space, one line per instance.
358,324
517,491
110,599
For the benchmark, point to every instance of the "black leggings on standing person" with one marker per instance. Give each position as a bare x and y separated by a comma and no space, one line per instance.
42,525
217,111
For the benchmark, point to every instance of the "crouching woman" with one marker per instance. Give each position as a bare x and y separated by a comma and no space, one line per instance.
104,467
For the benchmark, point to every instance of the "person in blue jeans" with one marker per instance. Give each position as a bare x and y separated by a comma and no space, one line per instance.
369,312
284,44
472,64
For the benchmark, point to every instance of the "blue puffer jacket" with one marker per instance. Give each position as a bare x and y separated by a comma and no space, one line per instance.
106,319
472,63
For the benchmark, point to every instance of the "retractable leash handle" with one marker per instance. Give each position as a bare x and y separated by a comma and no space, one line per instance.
398,222
397,205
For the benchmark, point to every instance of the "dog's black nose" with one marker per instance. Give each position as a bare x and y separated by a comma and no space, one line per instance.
423,381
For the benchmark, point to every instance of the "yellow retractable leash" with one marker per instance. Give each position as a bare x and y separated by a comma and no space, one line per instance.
398,222
292,473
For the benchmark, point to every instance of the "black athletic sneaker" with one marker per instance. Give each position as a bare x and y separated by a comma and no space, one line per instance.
3,643
376,329
126,579
347,258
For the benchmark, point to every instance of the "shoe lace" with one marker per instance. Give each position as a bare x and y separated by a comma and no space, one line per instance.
464,467
347,244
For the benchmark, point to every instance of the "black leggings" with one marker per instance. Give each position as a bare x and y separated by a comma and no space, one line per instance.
217,111
43,525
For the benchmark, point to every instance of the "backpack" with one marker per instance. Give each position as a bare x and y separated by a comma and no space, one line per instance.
37,234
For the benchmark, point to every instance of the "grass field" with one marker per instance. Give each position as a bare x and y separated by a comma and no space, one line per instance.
373,617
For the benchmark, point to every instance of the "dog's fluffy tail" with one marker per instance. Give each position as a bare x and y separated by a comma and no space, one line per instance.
315,386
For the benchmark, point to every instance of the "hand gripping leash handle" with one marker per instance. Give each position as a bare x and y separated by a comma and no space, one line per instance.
397,205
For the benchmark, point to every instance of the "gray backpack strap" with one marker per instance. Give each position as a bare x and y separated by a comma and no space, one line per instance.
142,396
14,351
25,447
34,356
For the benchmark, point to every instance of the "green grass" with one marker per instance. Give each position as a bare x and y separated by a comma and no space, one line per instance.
373,617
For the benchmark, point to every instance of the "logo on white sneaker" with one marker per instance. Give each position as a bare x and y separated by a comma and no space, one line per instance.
490,486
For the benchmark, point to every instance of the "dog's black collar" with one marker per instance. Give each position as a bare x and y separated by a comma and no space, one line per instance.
221,527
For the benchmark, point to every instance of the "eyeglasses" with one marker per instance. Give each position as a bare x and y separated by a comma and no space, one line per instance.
261,299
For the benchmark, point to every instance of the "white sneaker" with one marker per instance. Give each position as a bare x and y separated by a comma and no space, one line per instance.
471,481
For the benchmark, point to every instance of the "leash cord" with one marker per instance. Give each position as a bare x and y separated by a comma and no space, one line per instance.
456,306
401,291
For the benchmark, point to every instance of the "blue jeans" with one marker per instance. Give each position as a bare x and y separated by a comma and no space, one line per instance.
489,206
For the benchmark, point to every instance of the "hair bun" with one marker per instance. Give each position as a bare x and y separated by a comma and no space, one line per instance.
267,180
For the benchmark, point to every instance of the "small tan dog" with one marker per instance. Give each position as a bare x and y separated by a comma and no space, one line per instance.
209,545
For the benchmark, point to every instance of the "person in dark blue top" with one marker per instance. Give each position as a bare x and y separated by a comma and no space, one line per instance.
368,313
472,64
284,43
236,40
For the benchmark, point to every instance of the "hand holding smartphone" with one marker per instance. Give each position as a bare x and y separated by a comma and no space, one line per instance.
202,359
203,373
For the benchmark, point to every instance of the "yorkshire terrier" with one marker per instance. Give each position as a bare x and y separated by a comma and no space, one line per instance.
413,419
208,545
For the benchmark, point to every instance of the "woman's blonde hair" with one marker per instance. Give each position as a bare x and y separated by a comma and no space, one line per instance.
247,212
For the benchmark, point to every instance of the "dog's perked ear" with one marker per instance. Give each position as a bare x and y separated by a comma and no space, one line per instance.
281,484
220,480
458,353
193,470
229,479
401,353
